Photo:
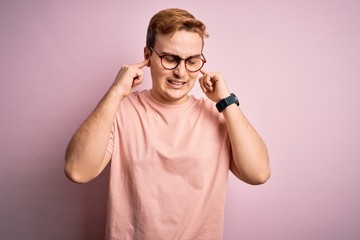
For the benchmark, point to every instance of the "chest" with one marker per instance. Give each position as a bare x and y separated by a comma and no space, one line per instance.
176,138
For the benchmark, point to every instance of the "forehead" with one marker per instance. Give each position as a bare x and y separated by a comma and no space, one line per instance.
183,43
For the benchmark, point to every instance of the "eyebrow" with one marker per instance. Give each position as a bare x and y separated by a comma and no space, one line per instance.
172,54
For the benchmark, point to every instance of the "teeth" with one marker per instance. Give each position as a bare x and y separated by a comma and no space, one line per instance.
176,83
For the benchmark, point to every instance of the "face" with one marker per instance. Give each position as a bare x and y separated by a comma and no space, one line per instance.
173,86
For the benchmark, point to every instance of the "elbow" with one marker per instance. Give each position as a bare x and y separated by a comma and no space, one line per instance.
260,178
76,178
75,171
75,175
263,172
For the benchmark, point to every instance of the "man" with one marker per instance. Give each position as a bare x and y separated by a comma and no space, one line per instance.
170,153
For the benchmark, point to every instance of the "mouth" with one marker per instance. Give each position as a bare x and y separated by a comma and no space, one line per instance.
176,83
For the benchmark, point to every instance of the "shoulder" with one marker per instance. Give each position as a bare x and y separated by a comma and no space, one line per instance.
206,104
207,107
134,98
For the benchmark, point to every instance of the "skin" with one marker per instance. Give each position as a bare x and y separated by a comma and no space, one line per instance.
183,44
86,155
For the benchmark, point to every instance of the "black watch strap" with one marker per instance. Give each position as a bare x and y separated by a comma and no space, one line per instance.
225,102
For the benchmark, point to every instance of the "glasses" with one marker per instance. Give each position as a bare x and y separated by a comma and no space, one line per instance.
192,64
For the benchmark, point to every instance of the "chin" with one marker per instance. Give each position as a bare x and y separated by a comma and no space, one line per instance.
177,96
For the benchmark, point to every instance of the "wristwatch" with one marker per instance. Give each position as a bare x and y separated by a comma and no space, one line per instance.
225,102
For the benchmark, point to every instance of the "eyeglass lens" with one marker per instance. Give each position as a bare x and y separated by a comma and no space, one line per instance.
170,62
192,64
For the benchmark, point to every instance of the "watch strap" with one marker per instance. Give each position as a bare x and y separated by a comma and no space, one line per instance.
225,102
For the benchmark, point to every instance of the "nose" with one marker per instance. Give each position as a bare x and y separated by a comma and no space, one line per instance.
180,71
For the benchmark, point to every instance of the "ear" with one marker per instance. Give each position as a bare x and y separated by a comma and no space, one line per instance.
147,55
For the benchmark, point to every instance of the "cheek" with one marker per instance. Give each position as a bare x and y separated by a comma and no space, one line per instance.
155,68
192,80
193,76
157,73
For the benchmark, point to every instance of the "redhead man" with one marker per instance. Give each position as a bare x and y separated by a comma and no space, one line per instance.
169,152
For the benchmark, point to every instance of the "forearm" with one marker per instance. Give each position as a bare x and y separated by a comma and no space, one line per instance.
249,152
85,154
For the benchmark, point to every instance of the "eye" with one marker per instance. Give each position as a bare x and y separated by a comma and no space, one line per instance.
170,58
193,60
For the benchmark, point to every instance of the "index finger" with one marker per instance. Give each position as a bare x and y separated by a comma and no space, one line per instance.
141,64
203,71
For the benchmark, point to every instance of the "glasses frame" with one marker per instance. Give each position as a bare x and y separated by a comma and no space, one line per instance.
202,58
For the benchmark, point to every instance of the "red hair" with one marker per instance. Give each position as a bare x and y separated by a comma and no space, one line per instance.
168,21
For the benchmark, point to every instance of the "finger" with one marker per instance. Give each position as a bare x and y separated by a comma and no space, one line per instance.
203,88
141,64
203,71
209,87
201,84
206,84
138,74
136,82
207,74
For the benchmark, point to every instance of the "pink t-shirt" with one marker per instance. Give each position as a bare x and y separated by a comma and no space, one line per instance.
169,170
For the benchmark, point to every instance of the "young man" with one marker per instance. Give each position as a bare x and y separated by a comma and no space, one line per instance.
170,153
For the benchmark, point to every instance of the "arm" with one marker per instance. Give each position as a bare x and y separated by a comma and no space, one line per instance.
249,160
86,155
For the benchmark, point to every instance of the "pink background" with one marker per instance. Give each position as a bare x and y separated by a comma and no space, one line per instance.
295,66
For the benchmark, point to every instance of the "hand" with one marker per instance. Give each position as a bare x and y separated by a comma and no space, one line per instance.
213,85
129,76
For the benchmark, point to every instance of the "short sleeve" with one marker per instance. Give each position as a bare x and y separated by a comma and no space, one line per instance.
110,146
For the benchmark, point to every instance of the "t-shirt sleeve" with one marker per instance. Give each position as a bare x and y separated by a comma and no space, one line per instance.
110,146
